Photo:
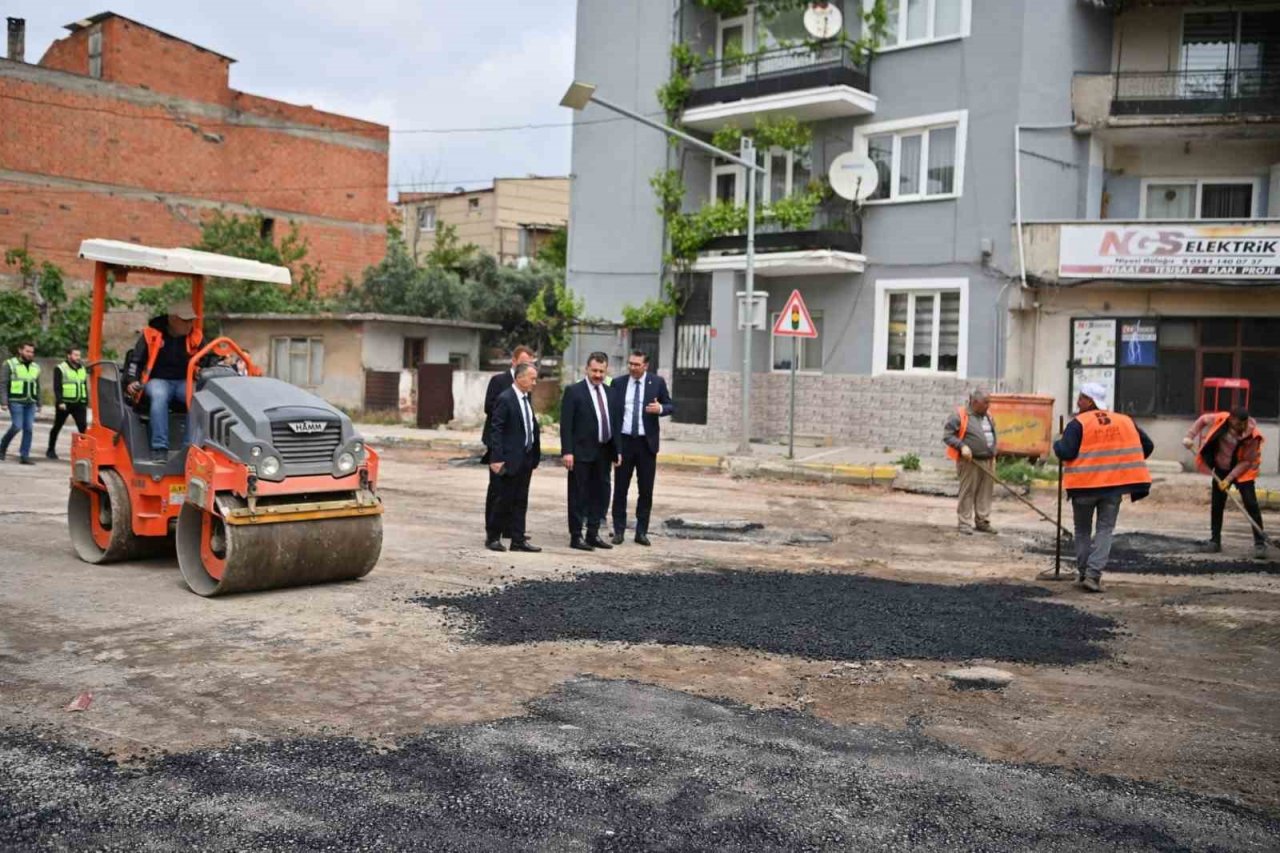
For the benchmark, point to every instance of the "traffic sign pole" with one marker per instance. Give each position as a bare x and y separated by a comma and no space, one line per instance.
794,322
791,442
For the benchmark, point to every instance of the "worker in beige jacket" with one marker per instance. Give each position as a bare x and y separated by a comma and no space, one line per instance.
970,437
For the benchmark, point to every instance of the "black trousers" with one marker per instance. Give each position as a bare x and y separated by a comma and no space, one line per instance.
492,528
589,494
639,460
511,504
76,411
1247,494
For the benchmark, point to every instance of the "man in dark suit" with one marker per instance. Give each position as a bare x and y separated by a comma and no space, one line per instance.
497,384
589,447
635,404
515,449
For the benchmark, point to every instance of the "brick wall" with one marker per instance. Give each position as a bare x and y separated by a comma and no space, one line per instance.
902,413
147,152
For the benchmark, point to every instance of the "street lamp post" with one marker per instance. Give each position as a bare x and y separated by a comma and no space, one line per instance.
581,94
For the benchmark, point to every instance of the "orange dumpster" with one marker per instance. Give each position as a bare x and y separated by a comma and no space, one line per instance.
1024,424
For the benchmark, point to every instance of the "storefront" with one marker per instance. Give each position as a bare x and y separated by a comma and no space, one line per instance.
1153,310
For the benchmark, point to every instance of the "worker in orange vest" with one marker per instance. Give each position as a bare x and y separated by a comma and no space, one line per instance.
1229,445
156,370
970,437
1103,457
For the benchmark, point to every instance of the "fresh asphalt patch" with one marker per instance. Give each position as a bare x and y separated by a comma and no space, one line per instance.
599,765
820,616
1156,554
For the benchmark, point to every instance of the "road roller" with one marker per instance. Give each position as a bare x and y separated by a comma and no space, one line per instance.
273,486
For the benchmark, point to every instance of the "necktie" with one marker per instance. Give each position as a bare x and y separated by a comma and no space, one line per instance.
635,408
528,423
603,414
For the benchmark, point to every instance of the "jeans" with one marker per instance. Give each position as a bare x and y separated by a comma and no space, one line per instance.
24,419
1218,504
158,393
1093,546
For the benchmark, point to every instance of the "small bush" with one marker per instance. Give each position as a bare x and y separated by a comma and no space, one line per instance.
908,462
1017,471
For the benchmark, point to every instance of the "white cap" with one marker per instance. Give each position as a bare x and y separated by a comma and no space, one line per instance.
1095,391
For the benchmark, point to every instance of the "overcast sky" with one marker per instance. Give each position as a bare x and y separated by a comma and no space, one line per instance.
409,64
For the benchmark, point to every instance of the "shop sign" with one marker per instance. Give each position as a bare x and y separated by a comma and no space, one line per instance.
1169,250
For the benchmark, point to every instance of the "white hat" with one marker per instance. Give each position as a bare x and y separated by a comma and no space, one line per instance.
1095,391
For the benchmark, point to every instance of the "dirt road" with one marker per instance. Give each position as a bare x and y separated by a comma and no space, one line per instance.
1170,679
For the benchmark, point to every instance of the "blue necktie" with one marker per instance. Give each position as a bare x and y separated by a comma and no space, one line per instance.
635,409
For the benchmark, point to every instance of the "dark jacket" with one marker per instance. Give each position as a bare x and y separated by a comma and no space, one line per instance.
655,388
1068,448
498,383
505,436
579,427
171,363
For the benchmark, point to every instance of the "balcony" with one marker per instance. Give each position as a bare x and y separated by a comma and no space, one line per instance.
794,81
1154,98
832,244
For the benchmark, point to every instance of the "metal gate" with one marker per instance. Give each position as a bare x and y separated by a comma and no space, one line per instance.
692,370
646,340
381,390
435,395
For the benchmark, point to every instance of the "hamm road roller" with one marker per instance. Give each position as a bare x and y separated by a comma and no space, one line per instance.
273,486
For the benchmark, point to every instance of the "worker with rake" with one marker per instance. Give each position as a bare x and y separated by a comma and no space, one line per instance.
1228,447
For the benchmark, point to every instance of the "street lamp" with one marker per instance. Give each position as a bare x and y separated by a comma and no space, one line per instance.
581,94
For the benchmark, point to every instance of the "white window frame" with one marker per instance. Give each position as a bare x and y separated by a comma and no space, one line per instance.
434,217
966,20
739,181
1255,211
916,287
277,370
748,45
959,119
790,189
774,343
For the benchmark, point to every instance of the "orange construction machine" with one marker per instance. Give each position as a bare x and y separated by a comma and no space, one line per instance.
274,487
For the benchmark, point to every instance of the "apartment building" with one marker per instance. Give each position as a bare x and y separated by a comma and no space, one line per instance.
510,220
979,114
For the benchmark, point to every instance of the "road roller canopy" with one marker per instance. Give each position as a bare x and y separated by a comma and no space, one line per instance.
117,253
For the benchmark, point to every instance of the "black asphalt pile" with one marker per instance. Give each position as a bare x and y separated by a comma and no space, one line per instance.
818,616
599,765
1153,554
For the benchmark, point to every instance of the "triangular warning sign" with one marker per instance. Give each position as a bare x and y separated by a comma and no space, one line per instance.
794,321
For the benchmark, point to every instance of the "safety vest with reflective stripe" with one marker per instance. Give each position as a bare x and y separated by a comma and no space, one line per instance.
155,343
1205,466
1110,453
22,381
952,453
75,383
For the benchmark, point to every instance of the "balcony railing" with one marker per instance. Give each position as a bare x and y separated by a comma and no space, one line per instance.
1233,91
773,72
834,226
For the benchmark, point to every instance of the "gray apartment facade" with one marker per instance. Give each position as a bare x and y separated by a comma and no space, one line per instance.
920,292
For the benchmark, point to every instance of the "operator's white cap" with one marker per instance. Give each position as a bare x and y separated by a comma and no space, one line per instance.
1095,391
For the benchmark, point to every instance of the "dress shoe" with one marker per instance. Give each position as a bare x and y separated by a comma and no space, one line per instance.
525,545
495,545
52,454
579,545
25,460
597,542
617,538
642,539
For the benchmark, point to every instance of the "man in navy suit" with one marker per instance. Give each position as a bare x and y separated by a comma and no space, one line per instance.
498,383
589,446
636,403
515,449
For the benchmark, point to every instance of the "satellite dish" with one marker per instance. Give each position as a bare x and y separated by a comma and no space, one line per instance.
853,176
823,20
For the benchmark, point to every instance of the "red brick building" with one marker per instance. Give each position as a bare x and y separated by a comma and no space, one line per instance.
126,132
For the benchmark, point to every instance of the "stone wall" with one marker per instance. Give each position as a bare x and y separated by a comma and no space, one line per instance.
901,413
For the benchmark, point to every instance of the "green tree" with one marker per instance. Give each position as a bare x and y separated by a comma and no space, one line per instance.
448,252
41,311
247,237
555,252
397,285
553,314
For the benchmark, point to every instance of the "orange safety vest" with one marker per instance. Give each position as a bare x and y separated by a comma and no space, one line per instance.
155,342
1219,424
952,453
1110,453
